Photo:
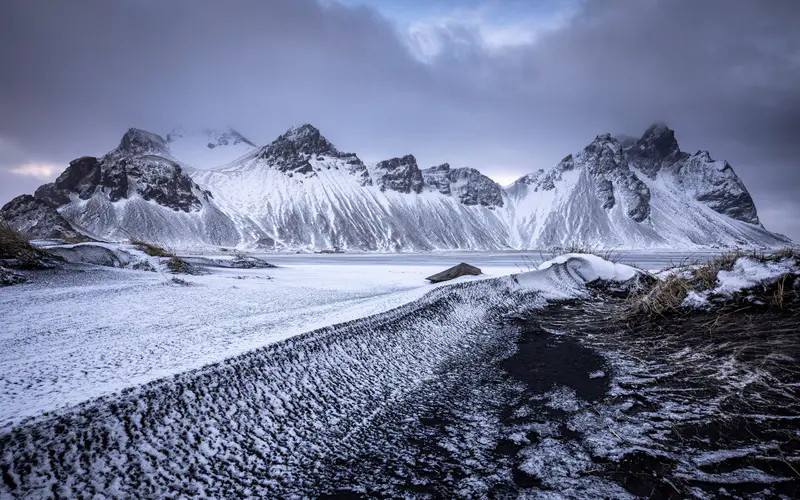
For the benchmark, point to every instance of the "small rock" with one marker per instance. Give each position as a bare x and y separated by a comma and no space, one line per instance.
462,269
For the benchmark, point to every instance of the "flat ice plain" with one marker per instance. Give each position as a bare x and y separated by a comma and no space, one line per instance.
73,335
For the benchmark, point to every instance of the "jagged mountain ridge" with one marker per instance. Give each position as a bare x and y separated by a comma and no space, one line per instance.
136,191
300,191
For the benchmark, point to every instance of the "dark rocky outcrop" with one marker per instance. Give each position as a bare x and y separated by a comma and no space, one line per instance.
37,219
399,174
141,165
138,142
438,177
615,165
604,160
467,185
548,181
656,150
717,185
462,269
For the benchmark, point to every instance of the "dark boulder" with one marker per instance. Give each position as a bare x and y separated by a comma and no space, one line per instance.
462,269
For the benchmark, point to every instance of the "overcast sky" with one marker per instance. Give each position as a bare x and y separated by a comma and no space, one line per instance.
503,86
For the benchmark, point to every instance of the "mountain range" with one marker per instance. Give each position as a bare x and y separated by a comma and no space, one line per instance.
217,188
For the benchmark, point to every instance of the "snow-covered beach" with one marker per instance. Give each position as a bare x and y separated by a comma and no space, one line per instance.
490,384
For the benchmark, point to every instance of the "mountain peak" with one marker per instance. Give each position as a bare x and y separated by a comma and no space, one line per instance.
304,139
137,142
656,149
658,140
301,132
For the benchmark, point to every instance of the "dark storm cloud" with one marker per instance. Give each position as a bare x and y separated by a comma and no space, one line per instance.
724,74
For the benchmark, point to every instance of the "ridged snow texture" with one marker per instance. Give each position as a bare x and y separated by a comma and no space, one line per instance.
301,192
258,424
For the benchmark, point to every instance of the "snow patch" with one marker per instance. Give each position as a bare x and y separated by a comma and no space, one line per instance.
566,276
748,272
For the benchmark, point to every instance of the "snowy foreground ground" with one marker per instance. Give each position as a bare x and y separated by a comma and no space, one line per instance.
70,336
492,386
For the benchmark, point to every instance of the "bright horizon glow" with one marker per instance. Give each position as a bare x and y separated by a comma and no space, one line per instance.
38,170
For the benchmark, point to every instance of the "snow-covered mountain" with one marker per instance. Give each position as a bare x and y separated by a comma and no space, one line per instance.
300,191
136,191
646,193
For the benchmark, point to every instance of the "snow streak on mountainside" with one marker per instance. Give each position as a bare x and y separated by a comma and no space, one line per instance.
300,191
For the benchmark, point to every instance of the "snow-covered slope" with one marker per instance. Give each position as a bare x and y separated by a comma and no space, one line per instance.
138,191
648,194
208,148
301,192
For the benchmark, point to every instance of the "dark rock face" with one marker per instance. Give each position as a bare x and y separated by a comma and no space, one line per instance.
717,185
290,153
471,187
438,177
467,185
80,178
137,142
399,174
655,150
114,180
608,165
605,192
142,165
462,269
712,182
37,219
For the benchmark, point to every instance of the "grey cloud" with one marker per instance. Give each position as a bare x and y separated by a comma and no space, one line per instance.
724,74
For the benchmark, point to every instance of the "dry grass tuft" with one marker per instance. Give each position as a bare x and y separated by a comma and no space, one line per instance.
152,249
786,253
663,297
176,265
17,249
667,295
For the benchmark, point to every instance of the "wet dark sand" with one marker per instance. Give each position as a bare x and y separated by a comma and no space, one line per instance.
475,430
